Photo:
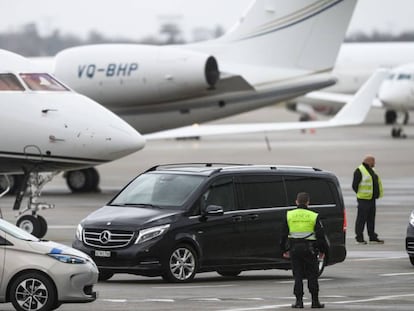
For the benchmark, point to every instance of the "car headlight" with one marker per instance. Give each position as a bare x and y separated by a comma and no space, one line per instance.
412,218
68,258
79,233
150,233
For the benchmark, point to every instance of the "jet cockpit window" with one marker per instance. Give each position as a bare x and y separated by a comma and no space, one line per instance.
9,82
42,82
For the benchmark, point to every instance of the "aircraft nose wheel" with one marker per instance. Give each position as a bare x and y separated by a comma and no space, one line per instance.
397,132
35,225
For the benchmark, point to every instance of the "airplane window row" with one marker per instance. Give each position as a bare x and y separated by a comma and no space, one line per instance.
34,81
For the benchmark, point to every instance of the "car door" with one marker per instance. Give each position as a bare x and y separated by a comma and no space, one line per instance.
220,236
263,201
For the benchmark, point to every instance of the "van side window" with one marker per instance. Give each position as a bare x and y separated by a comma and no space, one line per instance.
220,193
319,190
261,192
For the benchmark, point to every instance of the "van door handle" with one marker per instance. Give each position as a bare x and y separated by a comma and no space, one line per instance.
237,218
253,216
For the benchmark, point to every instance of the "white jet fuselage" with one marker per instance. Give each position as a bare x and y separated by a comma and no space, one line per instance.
60,130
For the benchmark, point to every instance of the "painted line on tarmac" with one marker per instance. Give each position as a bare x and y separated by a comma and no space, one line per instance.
377,258
397,274
60,227
268,307
136,300
292,281
195,286
379,298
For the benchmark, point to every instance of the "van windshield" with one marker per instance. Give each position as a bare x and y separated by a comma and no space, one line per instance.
159,190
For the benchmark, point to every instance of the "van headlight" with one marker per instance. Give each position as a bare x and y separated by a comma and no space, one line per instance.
68,258
412,218
151,233
79,232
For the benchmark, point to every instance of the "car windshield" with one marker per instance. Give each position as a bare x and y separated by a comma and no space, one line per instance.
16,232
158,190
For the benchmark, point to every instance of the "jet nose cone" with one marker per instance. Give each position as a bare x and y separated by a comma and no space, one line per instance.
122,139
392,94
104,135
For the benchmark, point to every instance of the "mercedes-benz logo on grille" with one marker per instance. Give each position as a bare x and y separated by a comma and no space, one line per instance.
105,236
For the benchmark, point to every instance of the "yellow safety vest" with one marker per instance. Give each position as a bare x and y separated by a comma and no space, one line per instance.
366,186
301,224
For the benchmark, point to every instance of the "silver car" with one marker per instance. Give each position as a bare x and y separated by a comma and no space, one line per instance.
41,275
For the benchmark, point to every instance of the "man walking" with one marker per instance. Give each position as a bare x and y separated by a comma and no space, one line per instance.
303,240
368,188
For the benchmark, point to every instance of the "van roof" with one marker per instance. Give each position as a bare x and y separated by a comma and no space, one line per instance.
208,169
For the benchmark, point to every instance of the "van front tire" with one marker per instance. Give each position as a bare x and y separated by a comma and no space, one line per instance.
181,265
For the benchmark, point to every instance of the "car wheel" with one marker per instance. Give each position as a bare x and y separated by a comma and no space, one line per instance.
231,273
181,265
105,275
33,291
412,260
30,224
321,265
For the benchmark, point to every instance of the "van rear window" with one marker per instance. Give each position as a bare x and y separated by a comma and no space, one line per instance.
319,190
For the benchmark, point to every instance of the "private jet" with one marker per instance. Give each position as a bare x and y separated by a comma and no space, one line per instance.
396,94
47,128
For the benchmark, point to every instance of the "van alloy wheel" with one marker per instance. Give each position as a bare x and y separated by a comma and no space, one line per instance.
182,264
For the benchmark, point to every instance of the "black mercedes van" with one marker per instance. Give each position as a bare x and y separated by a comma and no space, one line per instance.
177,220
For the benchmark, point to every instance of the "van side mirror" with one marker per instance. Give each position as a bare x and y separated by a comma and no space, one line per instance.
213,210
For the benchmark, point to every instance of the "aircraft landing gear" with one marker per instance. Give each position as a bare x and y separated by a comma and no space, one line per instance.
397,129
33,223
398,132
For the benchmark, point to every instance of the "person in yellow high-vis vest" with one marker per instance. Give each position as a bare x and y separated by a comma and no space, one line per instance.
303,241
368,188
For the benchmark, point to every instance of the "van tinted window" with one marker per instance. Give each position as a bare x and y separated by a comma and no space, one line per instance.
318,189
261,191
221,193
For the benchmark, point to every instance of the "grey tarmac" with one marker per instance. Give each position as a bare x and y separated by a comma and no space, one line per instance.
373,277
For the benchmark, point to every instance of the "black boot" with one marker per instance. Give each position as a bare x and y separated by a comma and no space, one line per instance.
298,304
316,304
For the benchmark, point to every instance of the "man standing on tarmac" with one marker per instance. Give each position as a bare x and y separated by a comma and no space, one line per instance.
368,188
303,241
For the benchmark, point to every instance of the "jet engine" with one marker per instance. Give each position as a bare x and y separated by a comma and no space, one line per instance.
136,74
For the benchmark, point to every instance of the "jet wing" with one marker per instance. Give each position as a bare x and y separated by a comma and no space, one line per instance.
353,113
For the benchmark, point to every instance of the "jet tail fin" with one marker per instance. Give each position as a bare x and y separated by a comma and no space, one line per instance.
300,34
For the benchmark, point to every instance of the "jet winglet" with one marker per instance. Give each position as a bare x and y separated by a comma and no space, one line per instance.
356,110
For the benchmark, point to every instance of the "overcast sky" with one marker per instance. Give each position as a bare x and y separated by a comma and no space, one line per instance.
138,18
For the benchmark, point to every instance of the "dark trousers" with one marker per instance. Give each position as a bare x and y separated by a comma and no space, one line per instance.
304,265
365,215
